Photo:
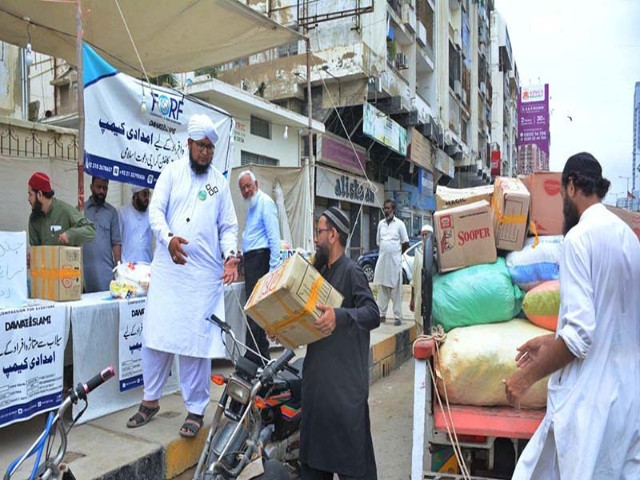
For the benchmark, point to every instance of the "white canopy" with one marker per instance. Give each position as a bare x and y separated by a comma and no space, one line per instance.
171,35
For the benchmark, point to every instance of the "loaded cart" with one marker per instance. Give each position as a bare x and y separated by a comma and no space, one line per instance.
458,441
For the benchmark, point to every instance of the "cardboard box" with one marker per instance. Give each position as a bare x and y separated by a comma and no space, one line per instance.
454,197
630,218
464,236
56,273
510,212
546,201
284,301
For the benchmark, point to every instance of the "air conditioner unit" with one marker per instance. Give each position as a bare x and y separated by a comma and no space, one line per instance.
402,62
457,88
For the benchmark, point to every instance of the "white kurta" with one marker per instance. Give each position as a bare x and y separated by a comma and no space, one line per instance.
135,231
593,405
181,297
390,238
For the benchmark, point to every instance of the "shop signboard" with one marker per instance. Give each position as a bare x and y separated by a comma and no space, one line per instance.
420,150
380,127
496,163
340,153
347,187
444,163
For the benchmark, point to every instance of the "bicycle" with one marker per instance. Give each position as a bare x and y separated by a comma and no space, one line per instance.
54,468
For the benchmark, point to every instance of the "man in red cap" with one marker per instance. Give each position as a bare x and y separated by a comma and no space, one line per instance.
52,221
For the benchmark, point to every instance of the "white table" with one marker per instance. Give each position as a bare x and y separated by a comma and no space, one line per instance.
95,326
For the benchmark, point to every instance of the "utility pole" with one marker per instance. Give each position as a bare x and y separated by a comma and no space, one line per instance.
79,74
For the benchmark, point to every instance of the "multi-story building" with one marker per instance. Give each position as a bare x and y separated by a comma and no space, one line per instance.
504,112
635,174
425,68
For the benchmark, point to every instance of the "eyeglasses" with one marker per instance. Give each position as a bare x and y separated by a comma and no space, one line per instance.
203,146
320,230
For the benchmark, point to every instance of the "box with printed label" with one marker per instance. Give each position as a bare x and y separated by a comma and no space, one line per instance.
464,236
546,201
284,302
629,217
510,212
454,197
56,272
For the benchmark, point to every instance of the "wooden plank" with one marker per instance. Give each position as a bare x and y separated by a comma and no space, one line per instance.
491,421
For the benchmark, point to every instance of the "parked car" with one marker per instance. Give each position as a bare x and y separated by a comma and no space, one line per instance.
368,260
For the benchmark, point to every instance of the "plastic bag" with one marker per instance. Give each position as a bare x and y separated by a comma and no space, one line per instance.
130,280
475,295
541,305
530,266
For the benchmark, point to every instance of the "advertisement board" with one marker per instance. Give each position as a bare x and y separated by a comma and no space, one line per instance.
380,127
533,117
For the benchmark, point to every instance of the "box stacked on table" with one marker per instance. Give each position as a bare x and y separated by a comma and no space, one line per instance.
284,302
56,273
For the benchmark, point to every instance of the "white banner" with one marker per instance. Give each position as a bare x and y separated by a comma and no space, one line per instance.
13,269
383,129
130,343
133,129
31,361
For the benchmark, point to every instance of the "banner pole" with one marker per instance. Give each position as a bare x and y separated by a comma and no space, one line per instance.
80,105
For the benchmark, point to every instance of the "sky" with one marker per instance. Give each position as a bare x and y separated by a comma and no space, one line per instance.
588,51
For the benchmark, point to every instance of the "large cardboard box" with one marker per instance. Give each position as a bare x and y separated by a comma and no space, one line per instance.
546,201
56,273
454,197
464,236
284,301
510,212
630,218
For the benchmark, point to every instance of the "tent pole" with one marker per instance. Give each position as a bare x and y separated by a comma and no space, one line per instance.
80,105
312,162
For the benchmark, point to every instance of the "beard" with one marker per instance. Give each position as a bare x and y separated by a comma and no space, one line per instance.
196,167
140,204
37,207
571,215
321,258
250,202
99,200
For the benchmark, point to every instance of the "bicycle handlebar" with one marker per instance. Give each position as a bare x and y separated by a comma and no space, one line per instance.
82,390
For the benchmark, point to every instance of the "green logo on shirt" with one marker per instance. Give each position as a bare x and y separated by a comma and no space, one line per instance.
202,195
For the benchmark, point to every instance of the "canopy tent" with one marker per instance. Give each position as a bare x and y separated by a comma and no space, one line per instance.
170,35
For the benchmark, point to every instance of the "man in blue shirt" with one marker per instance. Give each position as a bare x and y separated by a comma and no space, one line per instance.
261,251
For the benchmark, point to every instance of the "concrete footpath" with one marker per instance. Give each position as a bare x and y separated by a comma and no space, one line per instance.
105,449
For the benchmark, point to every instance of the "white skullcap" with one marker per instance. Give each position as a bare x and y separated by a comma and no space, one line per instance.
137,188
201,126
426,228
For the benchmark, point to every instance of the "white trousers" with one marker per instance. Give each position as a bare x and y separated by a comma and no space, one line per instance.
195,376
393,293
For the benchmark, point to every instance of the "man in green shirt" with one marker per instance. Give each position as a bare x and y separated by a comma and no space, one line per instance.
52,221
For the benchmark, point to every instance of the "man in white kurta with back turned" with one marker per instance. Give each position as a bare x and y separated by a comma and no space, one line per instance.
591,429
195,225
392,240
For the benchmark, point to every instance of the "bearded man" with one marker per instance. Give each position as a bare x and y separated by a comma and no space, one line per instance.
52,221
592,424
261,253
195,225
135,227
335,435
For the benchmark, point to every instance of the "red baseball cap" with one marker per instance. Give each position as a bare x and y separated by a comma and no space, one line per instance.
40,181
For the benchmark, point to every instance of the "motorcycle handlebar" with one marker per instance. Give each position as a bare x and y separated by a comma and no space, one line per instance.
270,370
226,328
82,390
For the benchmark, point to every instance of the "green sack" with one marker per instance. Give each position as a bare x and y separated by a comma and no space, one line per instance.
475,295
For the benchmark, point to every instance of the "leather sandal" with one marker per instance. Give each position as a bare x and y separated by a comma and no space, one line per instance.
142,416
192,425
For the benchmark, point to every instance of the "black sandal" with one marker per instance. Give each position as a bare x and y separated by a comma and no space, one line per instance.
142,416
192,425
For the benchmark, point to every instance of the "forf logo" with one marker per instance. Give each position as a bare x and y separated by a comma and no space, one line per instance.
168,106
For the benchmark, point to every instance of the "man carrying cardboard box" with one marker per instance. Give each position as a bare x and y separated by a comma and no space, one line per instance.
335,435
52,221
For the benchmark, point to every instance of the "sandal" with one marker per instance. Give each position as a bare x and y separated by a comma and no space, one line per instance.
142,416
192,425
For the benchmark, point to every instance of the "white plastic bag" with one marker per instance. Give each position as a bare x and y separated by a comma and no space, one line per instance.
130,280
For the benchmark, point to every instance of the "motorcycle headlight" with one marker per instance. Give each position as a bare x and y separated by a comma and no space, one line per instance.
238,390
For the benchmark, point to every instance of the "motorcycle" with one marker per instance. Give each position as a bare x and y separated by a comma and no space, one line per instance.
256,426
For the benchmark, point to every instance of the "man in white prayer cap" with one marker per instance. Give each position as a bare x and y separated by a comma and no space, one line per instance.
135,230
196,230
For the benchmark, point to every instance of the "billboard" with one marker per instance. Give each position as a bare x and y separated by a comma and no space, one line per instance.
533,117
383,129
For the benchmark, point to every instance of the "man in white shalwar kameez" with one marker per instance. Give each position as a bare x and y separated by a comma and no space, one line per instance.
592,425
392,240
193,219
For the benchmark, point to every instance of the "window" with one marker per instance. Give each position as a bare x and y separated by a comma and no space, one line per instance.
260,127
247,158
